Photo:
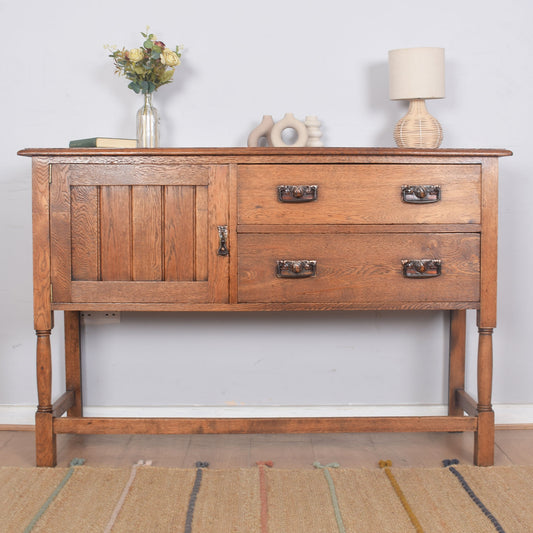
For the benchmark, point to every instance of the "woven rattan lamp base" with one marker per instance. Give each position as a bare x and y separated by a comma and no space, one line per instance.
418,129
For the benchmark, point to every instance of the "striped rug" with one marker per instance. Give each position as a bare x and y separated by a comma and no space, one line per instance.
264,499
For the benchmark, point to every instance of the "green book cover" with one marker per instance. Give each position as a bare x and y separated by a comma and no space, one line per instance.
103,142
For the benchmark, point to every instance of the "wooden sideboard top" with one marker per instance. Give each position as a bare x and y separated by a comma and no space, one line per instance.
264,151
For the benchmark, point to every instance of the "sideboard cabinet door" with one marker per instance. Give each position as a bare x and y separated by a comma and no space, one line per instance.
138,233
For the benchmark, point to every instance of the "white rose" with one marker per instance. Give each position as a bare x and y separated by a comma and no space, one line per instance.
135,55
170,58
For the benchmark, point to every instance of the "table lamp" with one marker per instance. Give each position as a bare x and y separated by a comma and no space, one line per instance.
417,74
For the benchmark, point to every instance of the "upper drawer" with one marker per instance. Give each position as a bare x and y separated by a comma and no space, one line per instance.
359,194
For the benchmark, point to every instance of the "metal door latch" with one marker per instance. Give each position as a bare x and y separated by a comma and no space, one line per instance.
223,241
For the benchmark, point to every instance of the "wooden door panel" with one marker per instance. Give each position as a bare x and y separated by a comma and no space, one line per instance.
85,228
179,233
116,235
154,236
146,239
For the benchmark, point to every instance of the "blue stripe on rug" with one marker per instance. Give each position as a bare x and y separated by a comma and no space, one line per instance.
194,494
448,463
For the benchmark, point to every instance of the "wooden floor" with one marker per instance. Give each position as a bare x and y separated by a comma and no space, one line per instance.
287,451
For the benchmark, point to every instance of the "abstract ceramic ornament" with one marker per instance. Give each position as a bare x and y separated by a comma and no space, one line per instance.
288,121
313,130
263,130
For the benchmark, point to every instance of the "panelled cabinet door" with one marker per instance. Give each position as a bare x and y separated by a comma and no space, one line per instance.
130,233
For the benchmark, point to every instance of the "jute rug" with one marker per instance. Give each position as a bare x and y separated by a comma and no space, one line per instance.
264,499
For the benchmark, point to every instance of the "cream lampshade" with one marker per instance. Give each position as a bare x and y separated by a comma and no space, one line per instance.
417,74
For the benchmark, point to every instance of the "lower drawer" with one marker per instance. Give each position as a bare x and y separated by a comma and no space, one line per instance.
358,268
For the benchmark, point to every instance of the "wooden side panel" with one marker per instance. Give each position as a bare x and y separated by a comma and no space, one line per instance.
85,229
116,245
489,244
60,233
146,221
42,313
179,233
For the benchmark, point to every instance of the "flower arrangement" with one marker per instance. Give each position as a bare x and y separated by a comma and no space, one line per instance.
147,67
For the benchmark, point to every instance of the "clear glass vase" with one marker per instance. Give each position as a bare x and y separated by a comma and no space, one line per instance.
147,124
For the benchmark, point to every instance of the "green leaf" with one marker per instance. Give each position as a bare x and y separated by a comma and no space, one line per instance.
134,87
148,44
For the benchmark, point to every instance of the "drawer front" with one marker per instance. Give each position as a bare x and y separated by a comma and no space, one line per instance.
358,268
358,194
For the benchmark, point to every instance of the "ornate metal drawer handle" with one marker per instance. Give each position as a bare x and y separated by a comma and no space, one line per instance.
297,193
420,194
223,241
421,268
296,269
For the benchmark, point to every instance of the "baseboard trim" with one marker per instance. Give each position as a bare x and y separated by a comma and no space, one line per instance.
507,415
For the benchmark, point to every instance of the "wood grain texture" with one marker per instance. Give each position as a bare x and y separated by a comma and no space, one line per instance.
466,402
201,235
456,373
60,243
73,377
173,426
63,404
85,230
138,230
358,228
152,292
180,233
85,155
218,216
191,306
358,194
135,174
116,233
146,233
358,268
513,445
232,232
45,440
42,313
489,244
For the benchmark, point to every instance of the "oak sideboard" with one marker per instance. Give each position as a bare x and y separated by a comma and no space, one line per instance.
264,229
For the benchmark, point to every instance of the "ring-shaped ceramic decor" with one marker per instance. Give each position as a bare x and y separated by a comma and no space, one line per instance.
288,121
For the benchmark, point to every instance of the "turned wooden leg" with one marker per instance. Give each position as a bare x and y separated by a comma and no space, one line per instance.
73,361
45,440
484,436
456,374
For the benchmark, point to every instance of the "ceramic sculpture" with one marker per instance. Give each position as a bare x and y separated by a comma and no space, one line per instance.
313,130
263,130
288,121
